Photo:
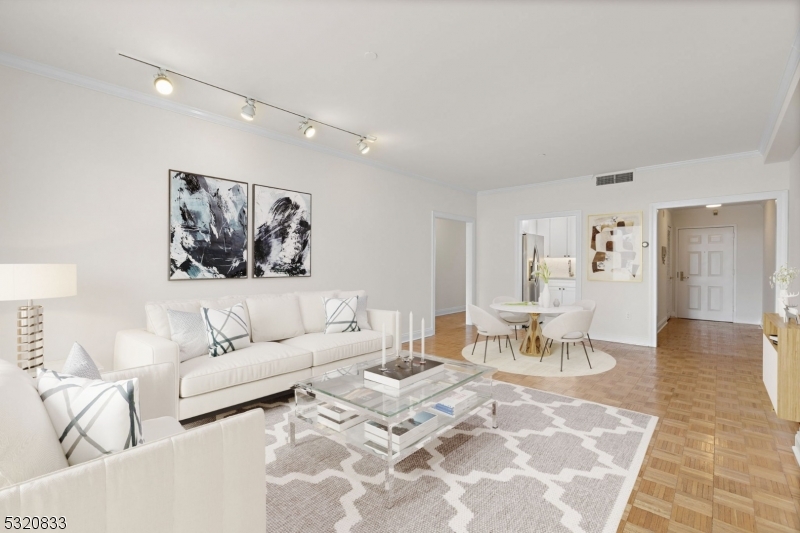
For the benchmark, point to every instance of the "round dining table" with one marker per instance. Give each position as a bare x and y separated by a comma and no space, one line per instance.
534,342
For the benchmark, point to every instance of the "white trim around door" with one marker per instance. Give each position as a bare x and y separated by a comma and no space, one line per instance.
470,229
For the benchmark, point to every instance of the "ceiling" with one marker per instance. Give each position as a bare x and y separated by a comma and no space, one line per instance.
480,95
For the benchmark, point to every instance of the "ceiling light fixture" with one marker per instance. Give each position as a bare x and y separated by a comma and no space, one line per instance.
714,205
162,83
249,110
164,86
307,129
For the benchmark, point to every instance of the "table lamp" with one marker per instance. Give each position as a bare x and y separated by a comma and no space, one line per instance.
33,282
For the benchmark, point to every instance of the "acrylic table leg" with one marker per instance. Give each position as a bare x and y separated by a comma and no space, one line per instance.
291,433
389,470
494,415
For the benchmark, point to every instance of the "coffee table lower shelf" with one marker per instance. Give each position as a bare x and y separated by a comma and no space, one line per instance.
305,413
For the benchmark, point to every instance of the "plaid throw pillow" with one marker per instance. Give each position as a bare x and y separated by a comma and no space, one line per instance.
340,314
227,329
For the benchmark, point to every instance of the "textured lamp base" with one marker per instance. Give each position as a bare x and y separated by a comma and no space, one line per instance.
30,338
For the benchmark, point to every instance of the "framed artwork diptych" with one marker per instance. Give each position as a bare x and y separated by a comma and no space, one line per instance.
207,227
281,233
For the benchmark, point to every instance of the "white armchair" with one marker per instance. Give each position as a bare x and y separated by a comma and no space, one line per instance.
204,480
489,326
588,305
569,328
512,319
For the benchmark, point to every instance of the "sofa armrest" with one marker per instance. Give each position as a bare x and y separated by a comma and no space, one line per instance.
207,479
137,347
377,318
158,393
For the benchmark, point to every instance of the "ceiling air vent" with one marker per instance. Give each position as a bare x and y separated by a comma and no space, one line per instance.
611,179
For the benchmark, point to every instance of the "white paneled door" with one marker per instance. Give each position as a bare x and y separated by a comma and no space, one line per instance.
705,273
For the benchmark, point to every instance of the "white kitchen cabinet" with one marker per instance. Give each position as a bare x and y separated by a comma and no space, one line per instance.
563,289
572,236
543,229
558,237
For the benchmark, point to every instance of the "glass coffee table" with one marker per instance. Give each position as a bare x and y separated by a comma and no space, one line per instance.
346,389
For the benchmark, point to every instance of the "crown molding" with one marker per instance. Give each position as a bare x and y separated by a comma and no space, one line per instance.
47,71
781,96
701,160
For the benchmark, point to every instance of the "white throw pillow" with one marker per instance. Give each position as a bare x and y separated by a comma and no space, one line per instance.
92,418
361,312
189,331
227,329
80,364
340,315
275,317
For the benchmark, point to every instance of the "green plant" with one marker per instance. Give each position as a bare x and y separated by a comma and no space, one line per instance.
783,277
543,272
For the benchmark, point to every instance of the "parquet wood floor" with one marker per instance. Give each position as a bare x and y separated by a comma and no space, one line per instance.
720,461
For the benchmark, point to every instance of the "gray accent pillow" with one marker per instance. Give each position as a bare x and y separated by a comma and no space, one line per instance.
361,311
80,364
189,331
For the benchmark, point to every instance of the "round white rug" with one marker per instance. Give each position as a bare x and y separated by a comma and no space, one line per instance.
550,366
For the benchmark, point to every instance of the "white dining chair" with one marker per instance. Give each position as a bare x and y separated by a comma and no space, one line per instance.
489,326
568,328
588,305
512,319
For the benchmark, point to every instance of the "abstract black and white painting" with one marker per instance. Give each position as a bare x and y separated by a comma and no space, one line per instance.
281,233
207,227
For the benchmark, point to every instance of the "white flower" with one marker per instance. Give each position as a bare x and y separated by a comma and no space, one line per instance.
783,277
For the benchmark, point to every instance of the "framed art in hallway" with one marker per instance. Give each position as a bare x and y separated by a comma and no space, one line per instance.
207,227
281,233
615,247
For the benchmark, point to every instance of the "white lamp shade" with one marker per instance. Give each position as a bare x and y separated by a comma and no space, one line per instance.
34,282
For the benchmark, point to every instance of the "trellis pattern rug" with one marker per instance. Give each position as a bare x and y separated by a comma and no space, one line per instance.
554,464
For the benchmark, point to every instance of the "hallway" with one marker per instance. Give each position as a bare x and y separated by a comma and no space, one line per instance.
720,460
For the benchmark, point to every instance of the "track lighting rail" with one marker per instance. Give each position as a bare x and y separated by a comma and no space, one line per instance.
360,136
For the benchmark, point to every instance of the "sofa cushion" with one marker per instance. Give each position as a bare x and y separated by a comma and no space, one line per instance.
258,361
156,313
330,348
274,317
361,312
312,308
29,445
188,330
340,315
228,330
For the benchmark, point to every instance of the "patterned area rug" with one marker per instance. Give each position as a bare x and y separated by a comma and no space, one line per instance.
550,366
555,464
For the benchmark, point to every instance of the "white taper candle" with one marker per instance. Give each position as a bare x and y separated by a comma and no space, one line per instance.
422,349
411,334
383,346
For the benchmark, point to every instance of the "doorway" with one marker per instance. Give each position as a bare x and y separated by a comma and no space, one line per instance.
452,267
706,276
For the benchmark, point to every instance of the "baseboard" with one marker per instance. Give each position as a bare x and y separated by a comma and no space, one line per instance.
796,451
662,324
451,310
417,335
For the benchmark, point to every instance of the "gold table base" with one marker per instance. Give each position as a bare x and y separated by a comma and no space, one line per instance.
533,344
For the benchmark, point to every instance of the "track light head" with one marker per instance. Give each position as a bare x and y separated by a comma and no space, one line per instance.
162,83
307,129
249,110
363,147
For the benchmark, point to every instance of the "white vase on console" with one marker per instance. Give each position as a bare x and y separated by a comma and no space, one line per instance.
544,296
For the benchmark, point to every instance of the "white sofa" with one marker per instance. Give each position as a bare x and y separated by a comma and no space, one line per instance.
289,345
207,479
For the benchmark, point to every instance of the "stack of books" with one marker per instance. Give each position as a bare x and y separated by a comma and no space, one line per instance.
406,432
337,417
401,376
455,404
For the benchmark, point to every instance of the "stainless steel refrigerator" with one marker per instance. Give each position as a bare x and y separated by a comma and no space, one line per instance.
532,251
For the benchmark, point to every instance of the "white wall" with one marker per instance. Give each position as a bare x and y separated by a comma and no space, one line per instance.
84,180
750,247
665,271
496,231
769,266
451,266
794,211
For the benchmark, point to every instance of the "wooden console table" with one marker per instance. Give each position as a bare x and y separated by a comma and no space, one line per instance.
782,366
